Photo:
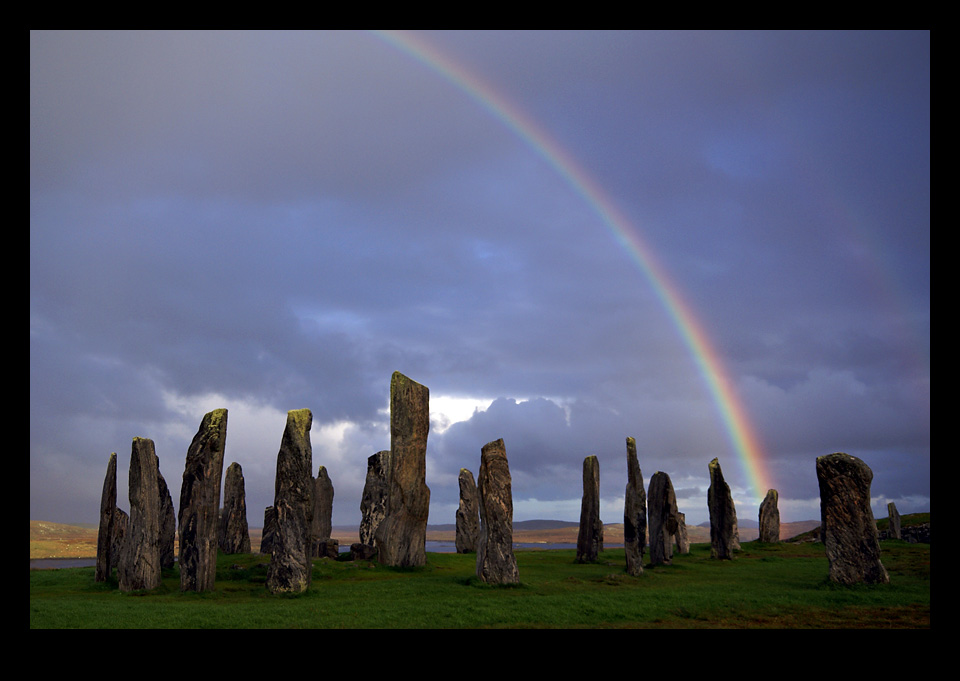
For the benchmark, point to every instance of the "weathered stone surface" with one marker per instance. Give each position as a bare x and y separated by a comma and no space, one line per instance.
322,524
770,518
682,541
327,548
120,521
373,503
634,513
168,523
269,534
234,536
724,533
402,534
893,527
361,551
496,563
590,536
662,518
290,562
199,516
139,566
847,523
106,560
468,514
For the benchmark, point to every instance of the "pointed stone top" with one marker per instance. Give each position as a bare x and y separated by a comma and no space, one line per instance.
631,441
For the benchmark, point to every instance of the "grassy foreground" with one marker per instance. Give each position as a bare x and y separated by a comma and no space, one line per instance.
766,586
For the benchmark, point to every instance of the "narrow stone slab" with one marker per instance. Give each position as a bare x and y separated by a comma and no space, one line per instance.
234,534
168,523
199,515
139,566
590,535
468,514
724,532
496,563
106,560
769,518
634,513
373,503
322,510
662,518
847,524
893,516
681,539
269,534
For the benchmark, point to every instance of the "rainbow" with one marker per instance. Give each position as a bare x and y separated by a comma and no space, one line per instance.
742,436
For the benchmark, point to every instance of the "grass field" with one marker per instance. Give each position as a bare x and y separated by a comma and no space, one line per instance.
765,586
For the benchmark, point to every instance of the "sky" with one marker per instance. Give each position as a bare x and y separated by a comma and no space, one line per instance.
717,243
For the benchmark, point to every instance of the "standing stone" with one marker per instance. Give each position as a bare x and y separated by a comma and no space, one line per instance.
496,563
770,518
373,503
199,516
139,567
662,515
290,563
634,513
893,530
108,504
168,523
849,530
681,539
322,526
468,514
724,534
269,530
120,521
590,536
234,536
402,534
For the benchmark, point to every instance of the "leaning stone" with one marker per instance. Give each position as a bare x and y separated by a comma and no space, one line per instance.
681,539
848,528
893,529
108,504
468,514
361,551
322,524
269,530
724,534
168,523
662,517
373,503
199,516
290,564
402,534
234,534
496,563
770,518
139,567
634,513
590,535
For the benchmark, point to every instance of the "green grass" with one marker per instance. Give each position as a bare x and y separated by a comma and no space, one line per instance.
766,585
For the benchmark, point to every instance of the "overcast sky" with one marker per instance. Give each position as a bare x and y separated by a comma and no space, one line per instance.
267,221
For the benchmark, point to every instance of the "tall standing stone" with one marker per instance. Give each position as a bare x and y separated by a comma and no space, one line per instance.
634,513
682,541
724,533
199,516
168,523
590,535
468,514
496,563
139,566
770,518
849,530
402,535
662,518
234,536
120,522
106,560
893,530
291,561
269,534
322,526
373,503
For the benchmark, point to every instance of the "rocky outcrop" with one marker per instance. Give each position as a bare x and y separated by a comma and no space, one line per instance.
662,518
496,563
269,534
322,510
168,523
893,526
634,513
770,518
199,516
291,562
681,540
139,566
848,527
401,536
234,534
106,559
590,536
373,503
724,534
468,514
